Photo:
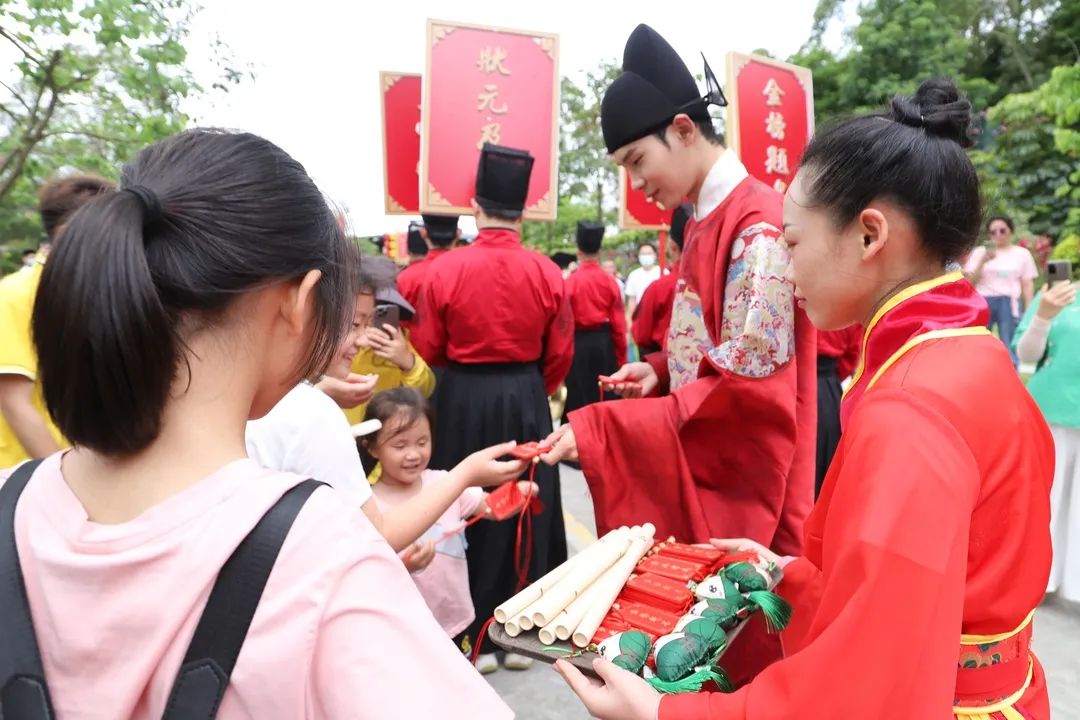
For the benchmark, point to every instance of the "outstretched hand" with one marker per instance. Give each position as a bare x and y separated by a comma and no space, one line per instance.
618,695
563,446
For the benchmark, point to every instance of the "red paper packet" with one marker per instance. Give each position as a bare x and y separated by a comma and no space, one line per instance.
659,592
607,380
673,567
650,620
529,451
506,501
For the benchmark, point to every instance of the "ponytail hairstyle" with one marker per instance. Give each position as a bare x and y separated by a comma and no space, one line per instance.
403,401
912,155
201,218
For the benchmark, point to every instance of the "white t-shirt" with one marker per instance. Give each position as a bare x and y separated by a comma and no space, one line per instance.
639,280
307,434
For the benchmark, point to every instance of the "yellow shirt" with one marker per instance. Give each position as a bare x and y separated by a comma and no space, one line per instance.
17,353
391,376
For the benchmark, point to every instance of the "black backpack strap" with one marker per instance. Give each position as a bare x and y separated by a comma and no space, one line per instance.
204,674
23,692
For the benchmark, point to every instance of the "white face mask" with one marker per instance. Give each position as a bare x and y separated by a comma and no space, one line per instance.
647,261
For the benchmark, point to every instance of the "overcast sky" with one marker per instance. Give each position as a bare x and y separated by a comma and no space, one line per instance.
316,65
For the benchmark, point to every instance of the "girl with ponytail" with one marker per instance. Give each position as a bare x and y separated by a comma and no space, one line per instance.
169,314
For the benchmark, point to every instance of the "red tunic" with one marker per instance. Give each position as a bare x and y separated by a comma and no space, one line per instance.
496,302
595,300
652,316
727,455
844,345
411,280
933,522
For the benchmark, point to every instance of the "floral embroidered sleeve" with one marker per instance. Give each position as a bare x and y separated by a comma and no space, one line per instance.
758,325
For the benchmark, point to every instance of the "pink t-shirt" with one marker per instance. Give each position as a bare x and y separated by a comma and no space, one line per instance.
340,633
1002,276
445,582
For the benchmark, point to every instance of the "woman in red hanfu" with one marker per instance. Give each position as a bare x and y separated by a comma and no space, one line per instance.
929,547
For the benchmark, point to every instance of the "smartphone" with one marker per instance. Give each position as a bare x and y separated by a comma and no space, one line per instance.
1058,271
387,315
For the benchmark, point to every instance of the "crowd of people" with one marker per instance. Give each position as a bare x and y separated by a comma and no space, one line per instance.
197,344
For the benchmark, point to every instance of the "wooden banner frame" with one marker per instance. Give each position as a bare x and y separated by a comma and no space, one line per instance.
735,63
545,209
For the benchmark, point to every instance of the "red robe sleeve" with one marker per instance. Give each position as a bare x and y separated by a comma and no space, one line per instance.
618,323
429,338
883,641
559,336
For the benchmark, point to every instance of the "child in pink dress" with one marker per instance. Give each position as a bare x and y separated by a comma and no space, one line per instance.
403,448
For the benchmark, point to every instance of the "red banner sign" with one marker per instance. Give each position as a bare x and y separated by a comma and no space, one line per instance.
770,118
636,212
401,141
482,85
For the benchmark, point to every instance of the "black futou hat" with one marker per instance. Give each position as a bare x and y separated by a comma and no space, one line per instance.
502,179
414,241
441,229
590,235
654,87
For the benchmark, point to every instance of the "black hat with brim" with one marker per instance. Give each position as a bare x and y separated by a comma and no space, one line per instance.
590,236
563,259
654,87
502,179
414,241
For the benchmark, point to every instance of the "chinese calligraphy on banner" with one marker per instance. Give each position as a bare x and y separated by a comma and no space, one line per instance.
400,94
636,212
770,118
488,85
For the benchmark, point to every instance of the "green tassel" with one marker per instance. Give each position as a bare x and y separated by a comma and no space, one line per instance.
777,610
694,682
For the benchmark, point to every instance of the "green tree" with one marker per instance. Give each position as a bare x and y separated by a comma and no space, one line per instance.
588,182
94,80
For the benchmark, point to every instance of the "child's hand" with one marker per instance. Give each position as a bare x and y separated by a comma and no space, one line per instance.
483,468
351,392
528,489
389,343
418,556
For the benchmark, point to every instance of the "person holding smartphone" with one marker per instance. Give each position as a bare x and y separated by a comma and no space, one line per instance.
385,349
1049,335
1004,274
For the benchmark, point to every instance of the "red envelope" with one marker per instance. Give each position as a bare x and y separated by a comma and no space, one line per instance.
658,592
675,568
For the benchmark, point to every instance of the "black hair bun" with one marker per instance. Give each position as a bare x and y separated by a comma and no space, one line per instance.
937,107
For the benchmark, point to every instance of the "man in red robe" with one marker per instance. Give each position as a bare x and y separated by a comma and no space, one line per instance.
599,320
729,451
436,237
652,316
496,316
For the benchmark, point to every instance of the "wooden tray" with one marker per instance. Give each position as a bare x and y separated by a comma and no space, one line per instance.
528,643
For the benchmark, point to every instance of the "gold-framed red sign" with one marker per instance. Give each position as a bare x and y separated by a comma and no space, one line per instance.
485,84
635,210
400,100
770,116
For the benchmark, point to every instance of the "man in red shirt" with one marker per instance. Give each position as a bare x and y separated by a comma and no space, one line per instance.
497,317
599,320
437,236
652,316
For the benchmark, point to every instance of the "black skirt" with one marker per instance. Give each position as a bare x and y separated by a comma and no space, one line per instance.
479,406
594,355
828,416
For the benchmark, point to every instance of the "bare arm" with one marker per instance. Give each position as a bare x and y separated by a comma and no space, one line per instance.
17,407
403,524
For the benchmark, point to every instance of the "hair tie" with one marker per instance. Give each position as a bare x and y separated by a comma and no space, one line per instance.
152,211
